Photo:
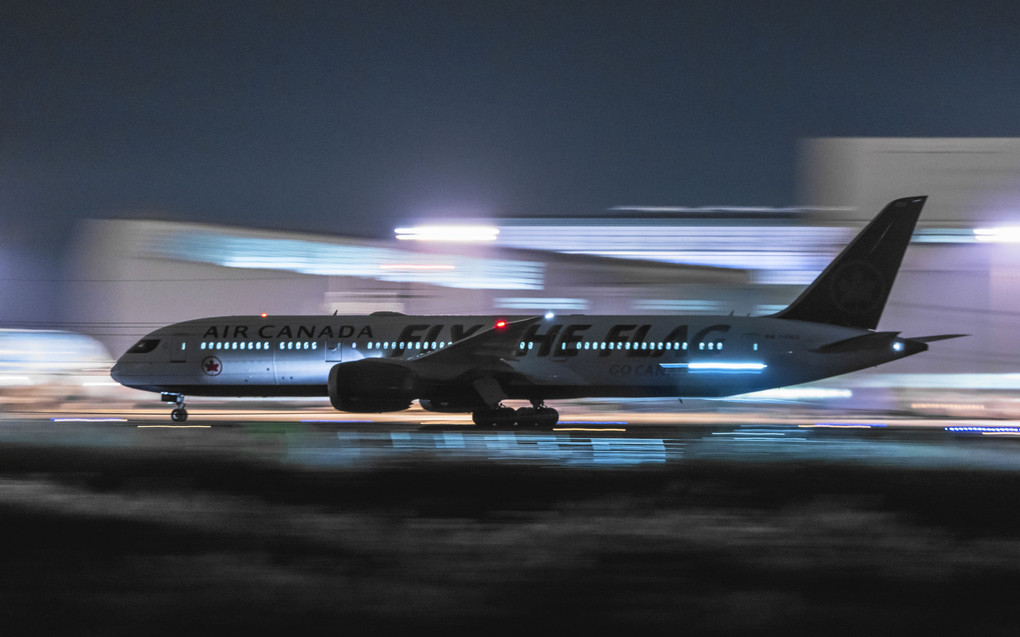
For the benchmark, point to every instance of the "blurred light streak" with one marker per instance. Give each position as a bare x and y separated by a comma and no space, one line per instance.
175,426
88,419
536,302
450,233
802,251
846,425
796,393
324,258
978,406
686,306
838,426
412,266
560,448
15,381
1009,234
1005,381
944,235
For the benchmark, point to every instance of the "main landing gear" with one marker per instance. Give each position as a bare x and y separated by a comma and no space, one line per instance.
538,415
179,414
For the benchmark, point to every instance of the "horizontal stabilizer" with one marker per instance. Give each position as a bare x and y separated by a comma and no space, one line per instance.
871,340
937,337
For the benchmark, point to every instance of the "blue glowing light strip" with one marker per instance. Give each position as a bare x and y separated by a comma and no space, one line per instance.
716,367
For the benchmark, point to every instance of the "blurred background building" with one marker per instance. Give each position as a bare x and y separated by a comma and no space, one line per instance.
959,276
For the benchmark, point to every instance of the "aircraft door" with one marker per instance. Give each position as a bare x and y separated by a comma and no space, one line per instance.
333,350
179,348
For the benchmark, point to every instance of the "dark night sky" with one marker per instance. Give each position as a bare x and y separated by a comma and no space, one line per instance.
350,117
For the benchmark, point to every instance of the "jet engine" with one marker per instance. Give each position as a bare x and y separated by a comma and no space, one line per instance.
371,386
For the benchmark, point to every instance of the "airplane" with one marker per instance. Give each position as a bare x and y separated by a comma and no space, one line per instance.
384,361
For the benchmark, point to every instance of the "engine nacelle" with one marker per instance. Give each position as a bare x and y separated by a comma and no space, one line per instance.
371,386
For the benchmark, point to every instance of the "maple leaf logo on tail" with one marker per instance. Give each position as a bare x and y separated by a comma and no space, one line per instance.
857,287
212,366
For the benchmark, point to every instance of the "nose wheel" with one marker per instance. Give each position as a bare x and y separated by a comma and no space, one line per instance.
180,413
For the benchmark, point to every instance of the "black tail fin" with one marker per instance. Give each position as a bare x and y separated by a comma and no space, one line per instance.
853,290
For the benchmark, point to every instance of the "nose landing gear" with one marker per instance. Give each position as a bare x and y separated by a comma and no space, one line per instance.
180,413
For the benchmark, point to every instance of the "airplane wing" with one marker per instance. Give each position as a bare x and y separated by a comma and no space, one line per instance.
475,361
493,345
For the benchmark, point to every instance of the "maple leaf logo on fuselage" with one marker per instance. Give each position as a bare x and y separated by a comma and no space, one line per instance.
212,366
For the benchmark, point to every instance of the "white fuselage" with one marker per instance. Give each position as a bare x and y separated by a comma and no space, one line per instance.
562,357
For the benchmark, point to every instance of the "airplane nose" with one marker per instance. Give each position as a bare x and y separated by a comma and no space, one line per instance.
117,372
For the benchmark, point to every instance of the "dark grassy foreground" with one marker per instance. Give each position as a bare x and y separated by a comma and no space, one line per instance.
104,542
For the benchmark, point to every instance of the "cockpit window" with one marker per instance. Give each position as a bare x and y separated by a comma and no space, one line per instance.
144,346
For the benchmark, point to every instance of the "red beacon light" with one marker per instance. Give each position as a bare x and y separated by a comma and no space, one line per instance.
501,324
264,315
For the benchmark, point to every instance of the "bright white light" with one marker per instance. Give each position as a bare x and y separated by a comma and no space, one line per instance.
465,233
415,266
754,367
897,346
998,235
14,380
550,315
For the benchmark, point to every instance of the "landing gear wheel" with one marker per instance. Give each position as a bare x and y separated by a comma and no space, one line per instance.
527,417
179,414
501,417
547,417
505,417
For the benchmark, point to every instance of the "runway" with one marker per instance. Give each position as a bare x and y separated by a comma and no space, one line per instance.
320,439
242,520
